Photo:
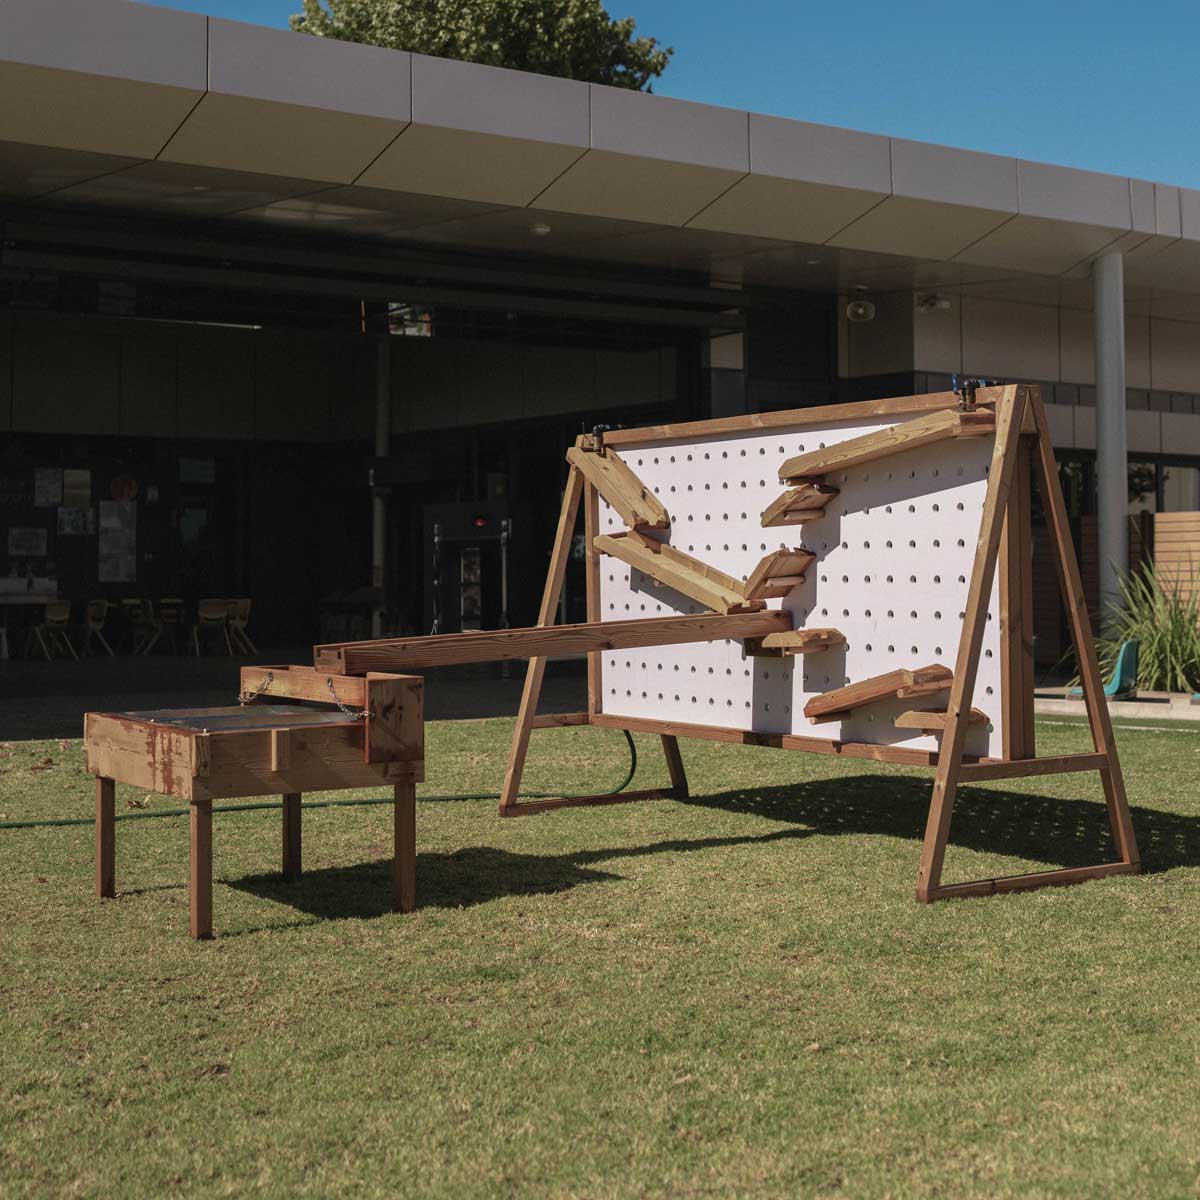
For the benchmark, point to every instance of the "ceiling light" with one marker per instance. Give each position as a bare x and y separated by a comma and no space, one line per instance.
540,229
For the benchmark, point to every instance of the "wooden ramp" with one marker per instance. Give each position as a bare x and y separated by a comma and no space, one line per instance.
635,503
895,685
675,569
805,502
912,435
798,642
778,573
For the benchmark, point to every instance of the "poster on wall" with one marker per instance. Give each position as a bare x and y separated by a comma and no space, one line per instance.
24,542
77,489
118,541
47,487
76,522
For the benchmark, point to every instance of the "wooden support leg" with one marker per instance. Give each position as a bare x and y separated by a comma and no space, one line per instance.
201,869
679,783
537,666
1092,684
404,865
929,885
1009,412
106,831
291,836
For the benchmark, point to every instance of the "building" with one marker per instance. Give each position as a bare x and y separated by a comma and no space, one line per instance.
245,275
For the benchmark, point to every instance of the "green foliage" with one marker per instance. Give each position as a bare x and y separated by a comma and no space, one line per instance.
1165,620
574,39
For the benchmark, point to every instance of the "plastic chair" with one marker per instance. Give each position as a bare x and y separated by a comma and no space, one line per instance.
211,615
139,627
238,618
166,621
94,617
1123,683
51,633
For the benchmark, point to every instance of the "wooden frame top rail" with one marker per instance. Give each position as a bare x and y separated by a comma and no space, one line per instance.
899,406
499,645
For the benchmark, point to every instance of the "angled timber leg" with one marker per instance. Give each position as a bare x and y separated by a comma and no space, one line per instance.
106,837
679,783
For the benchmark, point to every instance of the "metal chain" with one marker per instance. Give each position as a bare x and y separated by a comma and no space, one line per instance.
355,714
245,698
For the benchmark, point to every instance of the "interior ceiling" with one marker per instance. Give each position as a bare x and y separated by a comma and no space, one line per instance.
144,112
237,202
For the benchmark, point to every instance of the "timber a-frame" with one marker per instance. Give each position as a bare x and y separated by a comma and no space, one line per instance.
1015,417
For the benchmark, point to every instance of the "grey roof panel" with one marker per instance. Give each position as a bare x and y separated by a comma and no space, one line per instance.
1068,194
1141,200
819,154
515,104
1166,210
1189,213
291,68
107,37
627,122
924,171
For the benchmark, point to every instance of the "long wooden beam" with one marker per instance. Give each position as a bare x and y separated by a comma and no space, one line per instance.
498,645
897,406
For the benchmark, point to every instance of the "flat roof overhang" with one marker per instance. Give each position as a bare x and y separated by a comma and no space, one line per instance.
111,106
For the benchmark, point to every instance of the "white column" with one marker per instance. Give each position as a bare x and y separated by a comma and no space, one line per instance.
1112,497
383,439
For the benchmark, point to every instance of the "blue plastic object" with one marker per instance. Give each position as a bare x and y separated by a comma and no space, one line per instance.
1123,683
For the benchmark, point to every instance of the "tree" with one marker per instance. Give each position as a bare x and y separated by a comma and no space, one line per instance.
574,39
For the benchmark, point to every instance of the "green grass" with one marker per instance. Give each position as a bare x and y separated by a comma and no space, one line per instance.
736,996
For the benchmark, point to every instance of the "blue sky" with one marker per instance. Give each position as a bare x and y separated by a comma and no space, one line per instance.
1102,86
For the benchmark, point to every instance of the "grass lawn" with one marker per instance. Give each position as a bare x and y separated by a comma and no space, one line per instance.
734,996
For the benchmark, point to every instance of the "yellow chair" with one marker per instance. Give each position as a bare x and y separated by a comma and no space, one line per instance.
212,615
51,634
94,617
238,618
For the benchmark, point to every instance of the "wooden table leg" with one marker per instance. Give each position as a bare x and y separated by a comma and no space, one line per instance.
106,837
404,866
291,836
201,869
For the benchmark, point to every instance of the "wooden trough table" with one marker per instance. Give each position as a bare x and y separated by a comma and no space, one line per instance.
352,733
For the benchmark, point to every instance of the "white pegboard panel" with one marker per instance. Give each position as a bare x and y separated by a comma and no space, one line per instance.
894,556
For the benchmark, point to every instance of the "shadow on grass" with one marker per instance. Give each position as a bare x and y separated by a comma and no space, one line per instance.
1063,832
1044,829
473,875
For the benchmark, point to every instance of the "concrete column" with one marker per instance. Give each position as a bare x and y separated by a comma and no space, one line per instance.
383,439
1108,294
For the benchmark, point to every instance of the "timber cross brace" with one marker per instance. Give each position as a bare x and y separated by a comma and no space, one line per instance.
908,526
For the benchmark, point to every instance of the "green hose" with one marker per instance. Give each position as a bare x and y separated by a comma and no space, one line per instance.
261,804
